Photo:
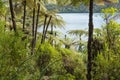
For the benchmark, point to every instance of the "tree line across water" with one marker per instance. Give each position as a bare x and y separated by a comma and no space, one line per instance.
26,54
80,9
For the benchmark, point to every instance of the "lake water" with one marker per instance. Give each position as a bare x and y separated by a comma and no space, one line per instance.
79,21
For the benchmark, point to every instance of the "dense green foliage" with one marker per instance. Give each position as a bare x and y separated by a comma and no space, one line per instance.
55,63
24,56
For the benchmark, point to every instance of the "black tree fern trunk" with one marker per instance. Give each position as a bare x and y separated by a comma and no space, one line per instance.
33,29
90,39
51,34
24,16
37,20
47,27
12,14
44,27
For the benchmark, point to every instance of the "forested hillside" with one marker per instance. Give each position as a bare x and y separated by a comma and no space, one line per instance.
80,9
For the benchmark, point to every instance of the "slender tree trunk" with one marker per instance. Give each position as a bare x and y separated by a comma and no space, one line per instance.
12,14
47,27
90,39
65,40
33,22
51,34
33,29
55,36
24,16
51,29
37,20
5,23
42,39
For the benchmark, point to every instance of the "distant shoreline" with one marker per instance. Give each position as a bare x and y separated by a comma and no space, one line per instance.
80,9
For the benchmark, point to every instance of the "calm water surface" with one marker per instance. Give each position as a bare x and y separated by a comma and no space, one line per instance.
79,21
